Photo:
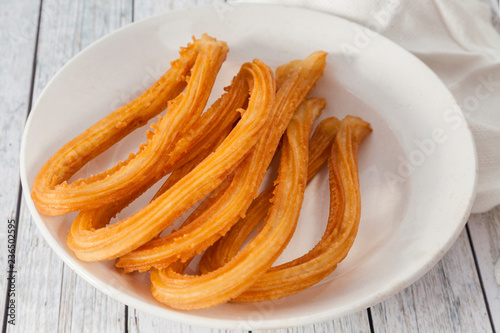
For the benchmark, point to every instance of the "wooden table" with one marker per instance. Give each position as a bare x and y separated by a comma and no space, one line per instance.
459,294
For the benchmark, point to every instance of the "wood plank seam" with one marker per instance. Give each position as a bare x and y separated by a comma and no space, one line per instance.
370,320
132,19
476,265
19,188
10,273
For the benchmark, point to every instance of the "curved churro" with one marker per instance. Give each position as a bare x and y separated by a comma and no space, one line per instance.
220,156
173,288
204,137
226,210
52,194
227,247
128,234
345,213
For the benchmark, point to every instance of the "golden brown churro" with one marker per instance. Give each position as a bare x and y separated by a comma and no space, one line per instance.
345,213
226,210
192,292
54,196
227,247
117,239
217,159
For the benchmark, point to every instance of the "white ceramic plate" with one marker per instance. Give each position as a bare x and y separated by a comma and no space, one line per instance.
417,169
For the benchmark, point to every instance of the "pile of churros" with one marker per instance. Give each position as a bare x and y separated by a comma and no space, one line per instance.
215,160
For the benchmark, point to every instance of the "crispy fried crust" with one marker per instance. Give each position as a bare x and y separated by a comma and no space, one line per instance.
51,192
229,205
345,212
227,247
218,159
171,287
114,240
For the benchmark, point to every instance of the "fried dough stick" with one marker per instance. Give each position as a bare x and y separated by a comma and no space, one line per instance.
174,289
227,208
227,247
204,137
52,194
345,212
112,241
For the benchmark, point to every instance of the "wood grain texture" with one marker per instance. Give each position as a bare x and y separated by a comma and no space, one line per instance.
140,321
355,323
18,26
39,280
485,233
444,296
51,297
85,309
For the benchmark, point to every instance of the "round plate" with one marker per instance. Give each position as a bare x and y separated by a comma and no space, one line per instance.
417,168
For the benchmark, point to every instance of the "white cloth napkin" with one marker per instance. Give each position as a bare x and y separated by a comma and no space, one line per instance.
457,40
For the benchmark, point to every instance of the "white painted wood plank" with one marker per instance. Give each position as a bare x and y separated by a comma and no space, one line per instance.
140,321
357,322
39,280
85,309
18,24
51,297
485,234
447,299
